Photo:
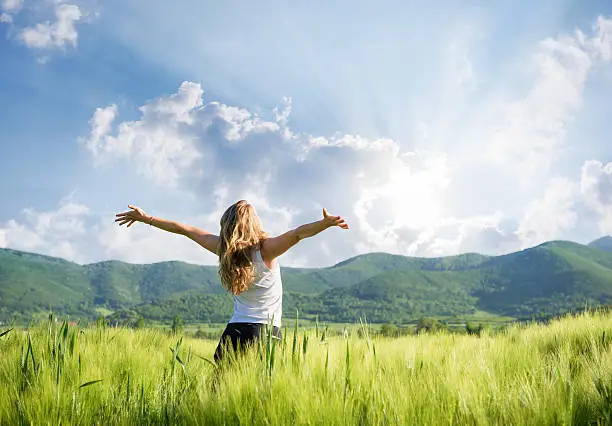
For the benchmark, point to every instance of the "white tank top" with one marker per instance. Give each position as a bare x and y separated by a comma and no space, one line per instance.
263,300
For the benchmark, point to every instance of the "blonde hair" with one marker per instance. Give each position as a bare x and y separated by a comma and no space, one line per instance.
241,234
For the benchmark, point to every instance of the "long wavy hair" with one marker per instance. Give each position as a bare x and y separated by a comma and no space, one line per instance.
241,234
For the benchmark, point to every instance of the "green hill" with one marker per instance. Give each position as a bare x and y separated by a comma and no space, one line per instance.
604,243
30,283
117,283
551,278
548,279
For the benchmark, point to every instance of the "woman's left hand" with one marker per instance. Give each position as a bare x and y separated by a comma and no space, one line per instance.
330,221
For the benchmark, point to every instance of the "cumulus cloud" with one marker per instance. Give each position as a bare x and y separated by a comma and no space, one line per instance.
173,134
58,34
179,140
161,144
596,187
44,37
101,125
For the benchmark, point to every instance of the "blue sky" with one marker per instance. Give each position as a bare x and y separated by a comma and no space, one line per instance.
434,128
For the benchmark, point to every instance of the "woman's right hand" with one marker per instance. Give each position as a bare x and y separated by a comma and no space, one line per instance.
329,220
136,214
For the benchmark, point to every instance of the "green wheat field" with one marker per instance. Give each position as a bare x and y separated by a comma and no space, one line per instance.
537,374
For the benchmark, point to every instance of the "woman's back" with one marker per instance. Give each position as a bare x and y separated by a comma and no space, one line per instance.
262,302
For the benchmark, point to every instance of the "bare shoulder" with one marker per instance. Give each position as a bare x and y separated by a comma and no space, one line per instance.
269,249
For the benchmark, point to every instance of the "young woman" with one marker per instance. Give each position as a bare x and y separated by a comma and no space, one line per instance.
248,265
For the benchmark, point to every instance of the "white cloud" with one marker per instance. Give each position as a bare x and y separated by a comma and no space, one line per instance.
356,142
535,127
482,234
180,106
58,34
596,187
101,126
173,133
56,233
281,115
601,42
10,8
237,123
13,6
44,37
547,218
178,139
162,143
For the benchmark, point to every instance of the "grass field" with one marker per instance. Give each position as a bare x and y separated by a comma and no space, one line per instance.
559,373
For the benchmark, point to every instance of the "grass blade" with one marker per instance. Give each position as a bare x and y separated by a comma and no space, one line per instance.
93,382
207,360
64,331
305,344
347,378
295,332
4,333
272,356
72,343
180,361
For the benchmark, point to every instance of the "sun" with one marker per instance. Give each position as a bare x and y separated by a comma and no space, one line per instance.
411,197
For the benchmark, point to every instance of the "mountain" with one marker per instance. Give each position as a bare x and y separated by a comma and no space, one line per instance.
551,278
603,243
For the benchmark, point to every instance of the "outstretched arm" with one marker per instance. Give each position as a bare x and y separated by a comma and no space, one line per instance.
203,238
276,246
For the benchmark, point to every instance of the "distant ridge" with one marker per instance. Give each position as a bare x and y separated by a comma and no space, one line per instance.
551,278
603,243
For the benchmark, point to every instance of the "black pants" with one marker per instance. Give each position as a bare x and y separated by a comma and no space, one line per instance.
239,335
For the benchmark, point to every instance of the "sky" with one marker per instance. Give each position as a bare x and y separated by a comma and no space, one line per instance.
433,127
